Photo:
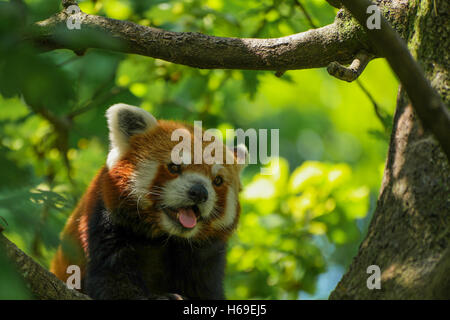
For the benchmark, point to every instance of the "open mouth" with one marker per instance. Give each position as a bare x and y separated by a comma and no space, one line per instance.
187,217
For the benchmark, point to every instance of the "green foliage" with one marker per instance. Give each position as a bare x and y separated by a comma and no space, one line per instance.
282,212
295,225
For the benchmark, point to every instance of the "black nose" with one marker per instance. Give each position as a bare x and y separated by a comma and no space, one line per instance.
198,193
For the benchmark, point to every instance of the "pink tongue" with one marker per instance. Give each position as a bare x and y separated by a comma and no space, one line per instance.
187,217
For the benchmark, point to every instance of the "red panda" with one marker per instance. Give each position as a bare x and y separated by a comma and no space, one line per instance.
148,228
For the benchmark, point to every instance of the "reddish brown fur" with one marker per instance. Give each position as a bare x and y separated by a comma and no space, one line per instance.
75,231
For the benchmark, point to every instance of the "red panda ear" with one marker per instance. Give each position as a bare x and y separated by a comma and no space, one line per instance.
242,156
124,121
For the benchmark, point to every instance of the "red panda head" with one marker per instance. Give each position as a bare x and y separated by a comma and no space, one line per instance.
155,196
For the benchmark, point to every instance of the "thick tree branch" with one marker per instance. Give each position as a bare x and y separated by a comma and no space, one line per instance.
42,284
311,49
427,103
338,42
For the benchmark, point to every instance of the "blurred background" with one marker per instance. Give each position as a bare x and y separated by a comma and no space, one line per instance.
299,229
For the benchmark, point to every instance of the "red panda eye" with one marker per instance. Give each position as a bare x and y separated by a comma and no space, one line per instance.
218,180
174,168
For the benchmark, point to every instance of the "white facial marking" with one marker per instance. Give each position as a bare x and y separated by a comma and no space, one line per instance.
230,211
114,155
216,169
141,180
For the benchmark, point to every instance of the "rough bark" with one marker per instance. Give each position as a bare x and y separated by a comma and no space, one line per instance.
42,284
387,43
311,49
409,234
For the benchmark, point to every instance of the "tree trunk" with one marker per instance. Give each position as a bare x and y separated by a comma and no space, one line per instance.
409,234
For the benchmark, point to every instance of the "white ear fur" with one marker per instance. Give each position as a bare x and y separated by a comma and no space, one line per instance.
124,121
242,155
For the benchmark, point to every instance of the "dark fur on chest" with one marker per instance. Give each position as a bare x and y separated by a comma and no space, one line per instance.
124,265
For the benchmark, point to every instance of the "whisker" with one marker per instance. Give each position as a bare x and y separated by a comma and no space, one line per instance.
137,205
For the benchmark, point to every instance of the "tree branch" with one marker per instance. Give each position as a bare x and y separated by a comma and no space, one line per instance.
427,103
311,49
337,42
42,283
352,72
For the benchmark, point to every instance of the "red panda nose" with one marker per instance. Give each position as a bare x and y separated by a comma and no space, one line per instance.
198,193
